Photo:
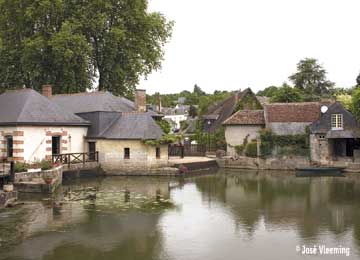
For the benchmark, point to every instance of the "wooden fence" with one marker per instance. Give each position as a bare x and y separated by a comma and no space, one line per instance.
191,150
72,158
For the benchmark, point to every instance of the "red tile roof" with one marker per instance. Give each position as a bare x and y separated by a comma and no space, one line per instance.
292,112
246,117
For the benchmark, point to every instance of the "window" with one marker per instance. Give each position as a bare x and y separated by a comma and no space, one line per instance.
336,121
157,152
126,153
9,146
321,137
55,144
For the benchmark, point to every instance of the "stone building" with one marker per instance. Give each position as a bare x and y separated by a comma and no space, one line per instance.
34,127
291,118
335,136
244,124
239,100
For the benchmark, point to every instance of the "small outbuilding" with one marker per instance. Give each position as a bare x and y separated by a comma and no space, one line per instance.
241,126
335,136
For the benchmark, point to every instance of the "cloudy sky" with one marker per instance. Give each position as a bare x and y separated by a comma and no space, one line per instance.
234,44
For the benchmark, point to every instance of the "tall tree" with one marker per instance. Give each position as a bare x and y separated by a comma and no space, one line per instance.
287,94
358,80
355,107
72,44
311,78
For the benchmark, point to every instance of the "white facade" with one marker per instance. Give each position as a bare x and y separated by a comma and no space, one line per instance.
34,143
177,119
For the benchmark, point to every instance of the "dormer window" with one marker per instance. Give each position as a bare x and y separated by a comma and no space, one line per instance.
337,122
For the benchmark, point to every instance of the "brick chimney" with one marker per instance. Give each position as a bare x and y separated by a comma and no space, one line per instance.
47,91
140,100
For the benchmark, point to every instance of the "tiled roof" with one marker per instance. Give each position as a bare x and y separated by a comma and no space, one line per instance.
219,112
246,117
292,112
28,107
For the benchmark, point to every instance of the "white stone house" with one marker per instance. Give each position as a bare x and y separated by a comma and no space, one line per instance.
33,128
241,126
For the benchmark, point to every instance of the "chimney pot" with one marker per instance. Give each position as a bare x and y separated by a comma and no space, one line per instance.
47,91
140,100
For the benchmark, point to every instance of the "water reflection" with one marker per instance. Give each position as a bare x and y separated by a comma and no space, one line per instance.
223,215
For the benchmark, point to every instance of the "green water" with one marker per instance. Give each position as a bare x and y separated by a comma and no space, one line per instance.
222,215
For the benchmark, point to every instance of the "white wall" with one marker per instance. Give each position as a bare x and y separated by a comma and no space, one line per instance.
235,135
177,119
37,140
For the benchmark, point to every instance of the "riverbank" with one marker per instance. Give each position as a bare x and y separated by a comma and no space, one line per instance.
281,164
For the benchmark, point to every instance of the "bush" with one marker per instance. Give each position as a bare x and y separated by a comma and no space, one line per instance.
239,149
285,144
21,167
251,149
45,165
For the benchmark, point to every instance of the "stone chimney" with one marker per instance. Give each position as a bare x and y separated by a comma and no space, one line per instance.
140,100
47,91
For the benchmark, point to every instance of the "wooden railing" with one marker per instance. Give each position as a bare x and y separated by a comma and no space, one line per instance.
73,158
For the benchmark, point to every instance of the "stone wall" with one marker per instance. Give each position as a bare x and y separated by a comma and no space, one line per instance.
284,163
287,128
142,157
33,182
235,135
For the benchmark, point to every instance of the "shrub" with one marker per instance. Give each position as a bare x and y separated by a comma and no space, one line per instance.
239,149
45,165
251,149
21,167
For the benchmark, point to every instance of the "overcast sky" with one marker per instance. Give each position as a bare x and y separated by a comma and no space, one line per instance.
235,44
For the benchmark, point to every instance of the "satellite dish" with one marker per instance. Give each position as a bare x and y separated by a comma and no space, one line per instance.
324,109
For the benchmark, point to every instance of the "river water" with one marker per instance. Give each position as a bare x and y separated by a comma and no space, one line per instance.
215,216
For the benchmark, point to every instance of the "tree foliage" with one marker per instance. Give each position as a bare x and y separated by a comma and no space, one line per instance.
70,44
267,92
358,80
287,94
311,79
356,103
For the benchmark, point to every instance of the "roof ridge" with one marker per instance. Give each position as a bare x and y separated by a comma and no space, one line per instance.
81,93
24,105
110,125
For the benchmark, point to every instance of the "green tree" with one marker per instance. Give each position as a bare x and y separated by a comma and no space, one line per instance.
71,44
358,80
268,92
356,103
311,78
287,94
192,111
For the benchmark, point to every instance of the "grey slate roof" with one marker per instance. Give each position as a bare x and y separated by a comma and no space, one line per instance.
131,126
93,101
28,107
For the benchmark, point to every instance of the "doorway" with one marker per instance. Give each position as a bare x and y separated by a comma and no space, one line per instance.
92,150
55,144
